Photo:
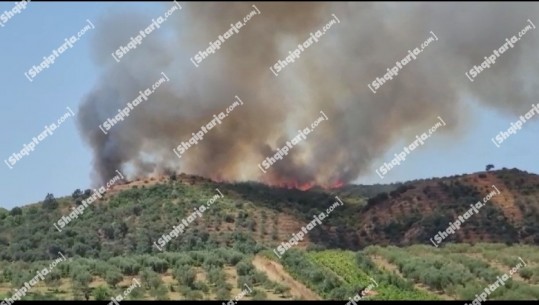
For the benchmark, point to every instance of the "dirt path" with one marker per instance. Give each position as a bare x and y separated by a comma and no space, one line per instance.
276,273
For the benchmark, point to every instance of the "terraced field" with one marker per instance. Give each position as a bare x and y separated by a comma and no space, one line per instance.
196,275
420,272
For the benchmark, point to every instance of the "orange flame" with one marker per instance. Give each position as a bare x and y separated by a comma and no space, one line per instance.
304,186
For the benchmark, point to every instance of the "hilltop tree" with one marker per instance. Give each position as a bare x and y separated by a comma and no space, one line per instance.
50,202
489,167
76,194
3,213
87,193
15,211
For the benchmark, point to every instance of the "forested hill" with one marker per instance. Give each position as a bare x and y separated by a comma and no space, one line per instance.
132,216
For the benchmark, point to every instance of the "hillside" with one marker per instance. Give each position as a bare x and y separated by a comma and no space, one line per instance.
115,238
418,210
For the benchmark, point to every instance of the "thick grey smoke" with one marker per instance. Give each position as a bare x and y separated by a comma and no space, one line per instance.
331,75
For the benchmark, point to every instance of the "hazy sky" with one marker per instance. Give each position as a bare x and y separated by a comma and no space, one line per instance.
62,162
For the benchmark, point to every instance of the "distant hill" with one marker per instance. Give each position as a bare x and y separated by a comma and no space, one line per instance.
416,211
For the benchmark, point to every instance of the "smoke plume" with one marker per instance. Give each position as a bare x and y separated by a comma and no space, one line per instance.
331,75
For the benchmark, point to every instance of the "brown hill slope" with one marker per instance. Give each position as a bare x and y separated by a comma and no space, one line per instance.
418,210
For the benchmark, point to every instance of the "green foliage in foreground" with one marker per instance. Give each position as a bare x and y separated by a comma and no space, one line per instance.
463,271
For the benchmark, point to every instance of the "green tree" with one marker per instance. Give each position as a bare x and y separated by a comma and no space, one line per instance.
78,290
87,193
243,268
76,194
222,294
101,293
50,202
159,293
526,273
15,211
113,277
258,295
185,275
53,278
150,278
81,276
81,249
3,213
158,265
194,295
136,294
